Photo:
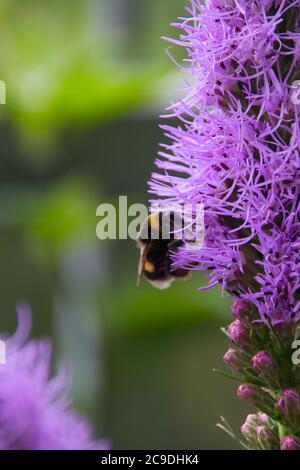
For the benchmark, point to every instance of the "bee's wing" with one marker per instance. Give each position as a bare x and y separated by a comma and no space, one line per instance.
141,264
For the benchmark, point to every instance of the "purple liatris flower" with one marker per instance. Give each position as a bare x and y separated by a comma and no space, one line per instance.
35,412
235,150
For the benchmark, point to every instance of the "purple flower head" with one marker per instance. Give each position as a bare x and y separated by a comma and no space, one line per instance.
238,333
289,443
236,150
289,406
35,411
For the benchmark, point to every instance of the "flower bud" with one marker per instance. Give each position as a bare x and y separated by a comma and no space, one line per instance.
263,363
263,418
289,406
243,310
267,439
262,360
289,443
258,419
246,392
234,359
257,396
231,358
257,431
249,433
286,331
249,427
238,333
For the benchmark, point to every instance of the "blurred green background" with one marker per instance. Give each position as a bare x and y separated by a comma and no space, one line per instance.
86,81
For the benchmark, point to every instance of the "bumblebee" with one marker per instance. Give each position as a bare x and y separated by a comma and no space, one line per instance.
156,242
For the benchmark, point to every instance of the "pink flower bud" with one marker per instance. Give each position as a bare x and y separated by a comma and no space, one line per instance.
262,361
249,427
249,433
289,443
267,439
247,392
289,406
230,358
234,359
264,364
240,308
257,431
257,396
263,418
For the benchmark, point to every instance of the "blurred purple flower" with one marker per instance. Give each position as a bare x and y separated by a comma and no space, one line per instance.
236,150
35,411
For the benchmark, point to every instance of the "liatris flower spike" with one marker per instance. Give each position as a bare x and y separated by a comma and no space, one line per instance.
236,152
35,412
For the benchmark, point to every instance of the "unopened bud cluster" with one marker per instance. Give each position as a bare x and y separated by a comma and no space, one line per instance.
260,357
260,433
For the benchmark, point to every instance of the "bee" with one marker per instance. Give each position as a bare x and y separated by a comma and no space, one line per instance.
155,250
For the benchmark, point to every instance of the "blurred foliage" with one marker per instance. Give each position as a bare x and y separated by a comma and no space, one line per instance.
146,308
79,61
51,218
62,216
